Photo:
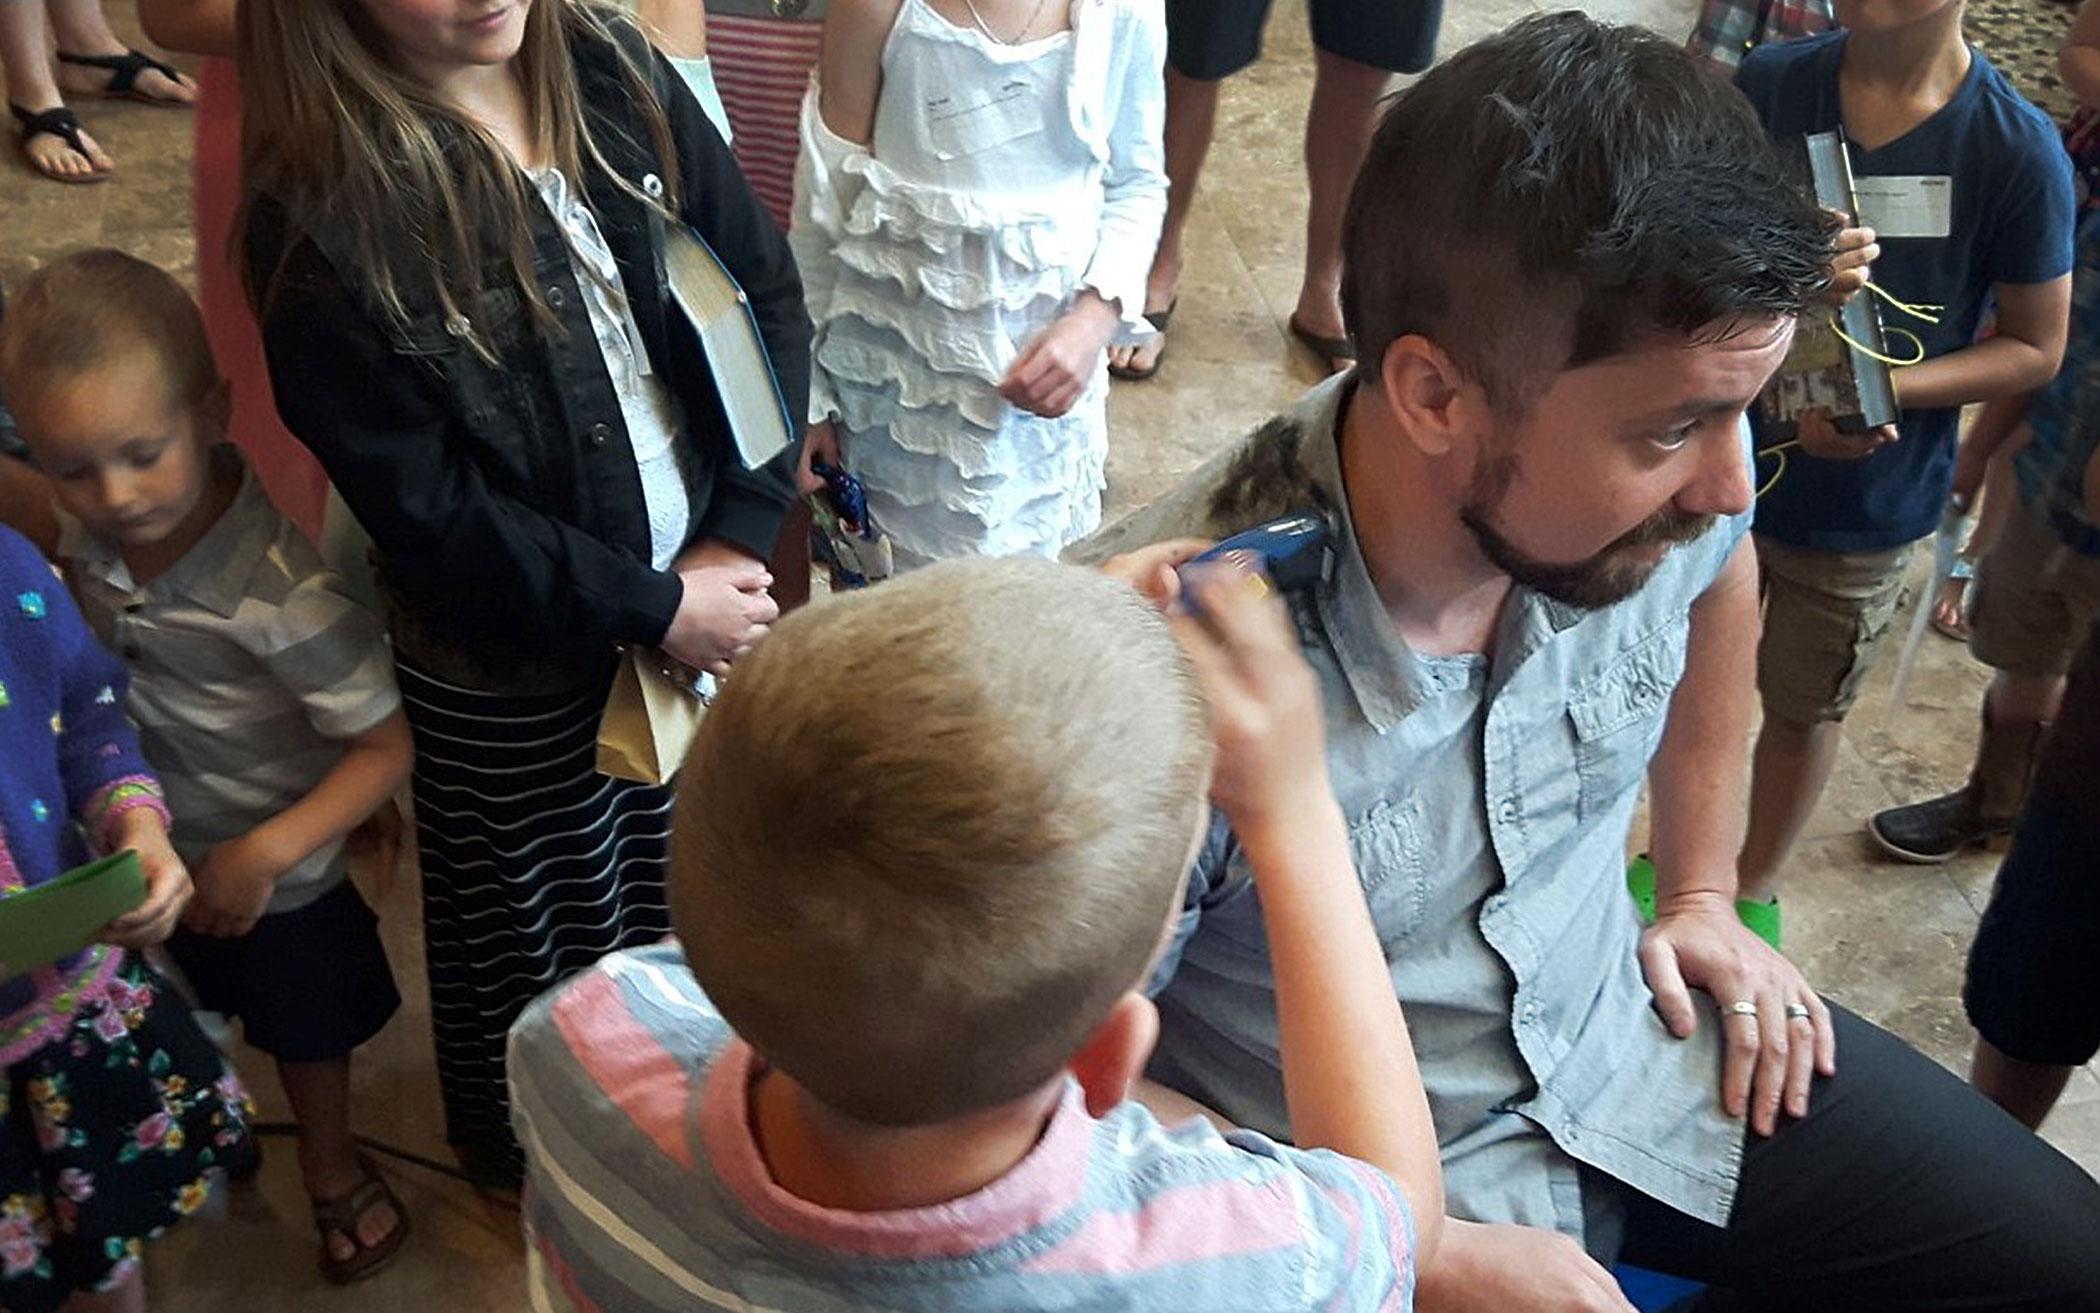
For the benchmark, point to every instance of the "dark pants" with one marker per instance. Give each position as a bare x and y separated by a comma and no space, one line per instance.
1902,1190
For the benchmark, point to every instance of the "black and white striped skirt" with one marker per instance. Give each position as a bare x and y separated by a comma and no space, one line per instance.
534,867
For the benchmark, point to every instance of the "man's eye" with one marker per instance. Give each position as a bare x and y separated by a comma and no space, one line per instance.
1672,439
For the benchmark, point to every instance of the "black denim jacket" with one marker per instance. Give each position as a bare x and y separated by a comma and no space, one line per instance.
503,500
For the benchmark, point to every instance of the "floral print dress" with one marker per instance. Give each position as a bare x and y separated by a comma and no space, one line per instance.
116,1113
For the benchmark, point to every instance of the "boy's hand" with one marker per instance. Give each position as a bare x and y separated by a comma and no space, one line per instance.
167,886
1819,437
1856,249
1264,701
1053,371
1152,570
234,885
376,846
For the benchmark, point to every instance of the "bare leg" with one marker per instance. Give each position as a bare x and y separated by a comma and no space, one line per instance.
2027,1090
1345,106
1192,115
1788,771
25,58
320,1097
82,29
127,1298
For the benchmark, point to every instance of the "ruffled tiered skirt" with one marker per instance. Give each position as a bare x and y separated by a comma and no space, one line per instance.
937,292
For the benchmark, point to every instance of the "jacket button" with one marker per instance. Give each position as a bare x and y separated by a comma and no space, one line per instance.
600,433
556,297
653,186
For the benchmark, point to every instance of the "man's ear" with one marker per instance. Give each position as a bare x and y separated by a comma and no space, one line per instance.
1114,1055
1439,408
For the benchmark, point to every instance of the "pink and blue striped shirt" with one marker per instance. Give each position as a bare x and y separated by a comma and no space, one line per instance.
647,1191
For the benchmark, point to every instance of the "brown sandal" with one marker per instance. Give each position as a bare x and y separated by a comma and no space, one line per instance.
340,1216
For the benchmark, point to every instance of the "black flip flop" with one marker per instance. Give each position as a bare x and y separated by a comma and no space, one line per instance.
1159,319
63,124
124,80
1336,353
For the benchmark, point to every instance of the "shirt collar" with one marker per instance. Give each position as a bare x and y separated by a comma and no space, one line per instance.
214,572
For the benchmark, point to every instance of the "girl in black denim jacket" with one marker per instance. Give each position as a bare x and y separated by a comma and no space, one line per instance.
454,232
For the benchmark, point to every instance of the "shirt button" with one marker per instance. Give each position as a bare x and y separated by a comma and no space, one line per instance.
1507,812
556,297
600,434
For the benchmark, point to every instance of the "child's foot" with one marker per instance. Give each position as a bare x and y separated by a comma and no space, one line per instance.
1317,323
55,145
1950,612
361,1222
1162,292
132,74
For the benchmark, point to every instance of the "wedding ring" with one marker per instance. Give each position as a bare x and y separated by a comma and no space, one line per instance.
1798,1012
1743,1008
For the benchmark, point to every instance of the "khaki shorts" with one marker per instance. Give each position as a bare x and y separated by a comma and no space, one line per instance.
2035,600
1825,616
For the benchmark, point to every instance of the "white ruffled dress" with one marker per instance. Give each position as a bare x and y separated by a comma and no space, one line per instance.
1002,180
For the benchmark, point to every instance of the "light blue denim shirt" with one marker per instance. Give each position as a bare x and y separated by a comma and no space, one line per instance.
1488,801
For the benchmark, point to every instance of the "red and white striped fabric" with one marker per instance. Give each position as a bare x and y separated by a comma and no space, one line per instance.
762,68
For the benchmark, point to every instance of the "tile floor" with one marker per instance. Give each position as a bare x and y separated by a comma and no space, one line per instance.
1889,941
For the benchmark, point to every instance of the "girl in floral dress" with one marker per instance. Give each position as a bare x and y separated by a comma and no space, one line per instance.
115,1111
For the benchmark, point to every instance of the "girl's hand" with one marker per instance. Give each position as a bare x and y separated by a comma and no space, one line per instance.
1819,437
819,444
724,613
234,885
1053,371
1264,701
1856,249
167,883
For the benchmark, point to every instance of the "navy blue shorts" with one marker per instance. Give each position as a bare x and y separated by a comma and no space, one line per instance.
2033,989
309,985
1212,39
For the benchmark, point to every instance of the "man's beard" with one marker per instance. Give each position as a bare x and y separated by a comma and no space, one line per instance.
1604,579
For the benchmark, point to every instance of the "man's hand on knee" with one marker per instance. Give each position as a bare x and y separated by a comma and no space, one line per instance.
1777,1032
1481,1268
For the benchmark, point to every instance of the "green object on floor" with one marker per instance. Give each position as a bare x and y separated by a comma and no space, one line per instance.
1761,919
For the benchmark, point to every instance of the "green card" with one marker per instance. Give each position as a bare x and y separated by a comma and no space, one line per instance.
40,925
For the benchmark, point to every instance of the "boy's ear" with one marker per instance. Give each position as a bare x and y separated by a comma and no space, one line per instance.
1114,1055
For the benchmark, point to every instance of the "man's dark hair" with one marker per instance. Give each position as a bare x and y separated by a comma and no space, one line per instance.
1554,193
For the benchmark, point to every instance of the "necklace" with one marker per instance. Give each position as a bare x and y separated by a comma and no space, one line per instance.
1026,28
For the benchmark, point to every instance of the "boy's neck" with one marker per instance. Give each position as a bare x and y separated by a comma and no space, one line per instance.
825,1158
149,561
1921,64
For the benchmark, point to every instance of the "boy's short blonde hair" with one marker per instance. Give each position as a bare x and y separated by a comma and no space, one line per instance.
931,832
70,316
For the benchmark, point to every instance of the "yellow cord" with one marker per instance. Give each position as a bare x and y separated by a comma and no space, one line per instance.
1871,353
1779,452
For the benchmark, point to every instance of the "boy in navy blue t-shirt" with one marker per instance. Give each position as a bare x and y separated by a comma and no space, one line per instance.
1968,192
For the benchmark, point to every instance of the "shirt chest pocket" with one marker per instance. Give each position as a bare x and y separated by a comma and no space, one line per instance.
1392,865
958,126
481,394
1618,718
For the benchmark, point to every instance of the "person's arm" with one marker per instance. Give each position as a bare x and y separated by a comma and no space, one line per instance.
454,545
1053,370
191,27
236,879
2079,63
1349,1073
2022,355
1696,783
1992,432
748,505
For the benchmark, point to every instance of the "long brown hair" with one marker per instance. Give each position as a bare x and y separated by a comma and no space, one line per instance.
340,134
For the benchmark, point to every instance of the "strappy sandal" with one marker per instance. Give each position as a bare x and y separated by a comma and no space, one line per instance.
124,73
1335,353
63,124
340,1217
1159,319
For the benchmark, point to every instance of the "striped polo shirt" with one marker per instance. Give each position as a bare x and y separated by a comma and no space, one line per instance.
646,1191
250,668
